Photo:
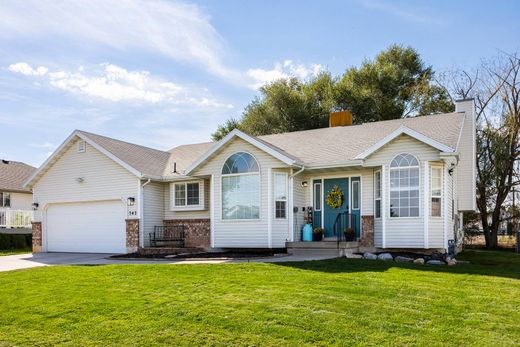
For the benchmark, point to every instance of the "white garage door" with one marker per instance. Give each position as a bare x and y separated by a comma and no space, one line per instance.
92,227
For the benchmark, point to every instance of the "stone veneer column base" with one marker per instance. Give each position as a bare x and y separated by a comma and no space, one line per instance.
36,237
367,231
132,235
197,231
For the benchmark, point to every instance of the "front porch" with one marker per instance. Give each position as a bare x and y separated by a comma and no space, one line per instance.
16,219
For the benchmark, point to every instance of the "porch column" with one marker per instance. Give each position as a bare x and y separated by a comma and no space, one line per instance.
383,205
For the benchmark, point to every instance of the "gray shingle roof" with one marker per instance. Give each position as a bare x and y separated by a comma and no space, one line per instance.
13,174
326,146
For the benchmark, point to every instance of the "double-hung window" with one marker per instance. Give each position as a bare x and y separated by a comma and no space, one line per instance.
5,199
404,186
280,195
377,194
436,191
240,187
188,195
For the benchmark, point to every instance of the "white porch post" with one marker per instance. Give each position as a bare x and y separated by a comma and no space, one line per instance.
426,202
290,207
383,205
269,209
445,203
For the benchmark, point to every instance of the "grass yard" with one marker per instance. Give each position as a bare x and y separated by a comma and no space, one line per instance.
333,302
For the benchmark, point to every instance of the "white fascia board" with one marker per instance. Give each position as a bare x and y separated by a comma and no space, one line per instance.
407,131
90,142
250,139
351,163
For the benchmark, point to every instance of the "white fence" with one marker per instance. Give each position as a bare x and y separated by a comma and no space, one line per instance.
16,218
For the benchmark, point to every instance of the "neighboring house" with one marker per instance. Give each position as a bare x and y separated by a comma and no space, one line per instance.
16,210
404,183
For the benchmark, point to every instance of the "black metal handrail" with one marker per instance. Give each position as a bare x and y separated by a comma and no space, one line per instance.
167,235
343,224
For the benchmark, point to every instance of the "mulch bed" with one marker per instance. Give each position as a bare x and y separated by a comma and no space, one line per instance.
235,254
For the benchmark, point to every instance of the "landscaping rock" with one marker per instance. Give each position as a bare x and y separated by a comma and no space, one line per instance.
353,256
419,261
435,262
385,256
370,256
451,261
400,259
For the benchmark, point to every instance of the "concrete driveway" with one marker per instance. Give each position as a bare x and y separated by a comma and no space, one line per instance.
26,261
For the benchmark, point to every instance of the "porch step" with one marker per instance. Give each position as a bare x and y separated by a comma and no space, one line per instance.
169,250
322,245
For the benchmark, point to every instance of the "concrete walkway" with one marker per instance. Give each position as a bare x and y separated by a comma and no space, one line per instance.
26,261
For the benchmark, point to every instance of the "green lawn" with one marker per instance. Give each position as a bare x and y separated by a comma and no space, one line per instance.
334,302
14,251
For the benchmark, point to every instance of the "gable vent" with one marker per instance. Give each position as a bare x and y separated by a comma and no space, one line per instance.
82,146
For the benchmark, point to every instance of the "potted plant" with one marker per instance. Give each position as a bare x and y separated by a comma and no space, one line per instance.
350,234
317,234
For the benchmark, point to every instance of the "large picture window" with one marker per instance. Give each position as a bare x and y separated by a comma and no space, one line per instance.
436,191
240,187
404,186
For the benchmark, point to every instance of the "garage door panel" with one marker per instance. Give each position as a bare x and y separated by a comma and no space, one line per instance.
93,227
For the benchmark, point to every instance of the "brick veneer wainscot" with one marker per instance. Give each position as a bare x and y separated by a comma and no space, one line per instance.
197,231
132,235
36,237
367,234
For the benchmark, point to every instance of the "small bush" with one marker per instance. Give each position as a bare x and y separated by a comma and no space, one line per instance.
15,241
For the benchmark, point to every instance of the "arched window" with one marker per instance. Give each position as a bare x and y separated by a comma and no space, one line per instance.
241,187
404,186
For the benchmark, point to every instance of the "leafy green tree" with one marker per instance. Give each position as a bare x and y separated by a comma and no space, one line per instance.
395,84
225,129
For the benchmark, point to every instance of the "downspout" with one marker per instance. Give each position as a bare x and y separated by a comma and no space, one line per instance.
297,172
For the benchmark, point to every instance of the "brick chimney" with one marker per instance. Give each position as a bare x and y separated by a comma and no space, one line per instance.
340,119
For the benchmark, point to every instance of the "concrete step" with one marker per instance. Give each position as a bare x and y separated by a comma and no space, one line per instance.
322,245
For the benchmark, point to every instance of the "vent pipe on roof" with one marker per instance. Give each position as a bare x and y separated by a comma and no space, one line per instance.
175,167
5,161
340,119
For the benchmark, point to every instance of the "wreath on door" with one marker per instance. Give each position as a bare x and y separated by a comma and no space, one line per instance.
335,197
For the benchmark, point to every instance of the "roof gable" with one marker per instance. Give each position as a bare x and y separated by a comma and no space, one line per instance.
260,144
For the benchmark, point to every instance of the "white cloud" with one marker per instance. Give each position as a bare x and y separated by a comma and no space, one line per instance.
283,70
114,83
174,29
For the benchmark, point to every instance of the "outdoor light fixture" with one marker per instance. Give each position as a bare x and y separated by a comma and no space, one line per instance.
450,170
130,201
80,179
35,205
304,184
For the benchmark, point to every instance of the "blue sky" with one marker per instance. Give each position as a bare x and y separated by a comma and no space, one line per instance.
165,73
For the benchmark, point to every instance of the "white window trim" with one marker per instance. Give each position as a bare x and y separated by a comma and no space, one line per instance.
3,200
281,200
187,207
380,194
390,190
441,196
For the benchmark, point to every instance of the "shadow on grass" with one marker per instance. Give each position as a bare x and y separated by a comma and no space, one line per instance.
485,263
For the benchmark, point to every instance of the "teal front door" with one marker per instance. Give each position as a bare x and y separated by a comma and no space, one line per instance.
330,213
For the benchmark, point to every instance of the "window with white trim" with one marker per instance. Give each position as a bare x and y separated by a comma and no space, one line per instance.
355,195
5,199
436,191
280,195
317,196
240,187
377,194
188,195
404,186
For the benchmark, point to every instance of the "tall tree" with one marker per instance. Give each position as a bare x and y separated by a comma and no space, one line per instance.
496,89
395,84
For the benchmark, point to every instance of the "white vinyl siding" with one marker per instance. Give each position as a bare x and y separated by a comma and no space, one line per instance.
21,201
403,232
467,161
153,206
301,198
243,233
103,179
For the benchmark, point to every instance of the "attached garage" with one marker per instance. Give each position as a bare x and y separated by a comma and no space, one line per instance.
91,227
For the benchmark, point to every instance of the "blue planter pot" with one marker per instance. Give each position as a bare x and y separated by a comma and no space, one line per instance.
307,232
